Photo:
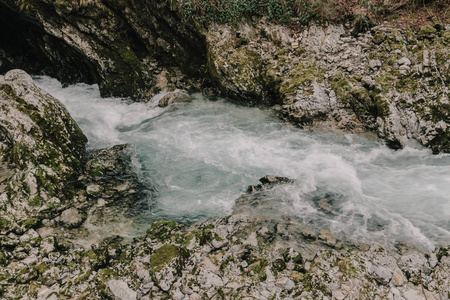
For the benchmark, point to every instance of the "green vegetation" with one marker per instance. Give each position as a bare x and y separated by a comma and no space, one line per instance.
302,12
161,230
165,254
232,11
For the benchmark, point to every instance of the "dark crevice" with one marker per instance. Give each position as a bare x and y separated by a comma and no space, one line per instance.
26,46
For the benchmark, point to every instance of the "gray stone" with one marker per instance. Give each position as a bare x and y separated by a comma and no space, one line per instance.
174,97
93,189
71,218
327,237
375,64
285,283
119,290
368,82
381,274
398,278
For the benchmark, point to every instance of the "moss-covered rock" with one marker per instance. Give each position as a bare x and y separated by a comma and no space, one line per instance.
43,144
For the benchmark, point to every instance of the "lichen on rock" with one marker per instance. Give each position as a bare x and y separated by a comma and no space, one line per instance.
41,145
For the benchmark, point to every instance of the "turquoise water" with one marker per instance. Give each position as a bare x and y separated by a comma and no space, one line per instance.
198,157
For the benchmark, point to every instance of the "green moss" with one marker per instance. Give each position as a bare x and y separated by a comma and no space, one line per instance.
302,75
99,257
446,37
342,86
31,223
363,102
442,253
205,235
129,57
107,274
259,268
427,32
162,230
407,84
162,256
36,201
279,265
298,259
4,223
41,267
378,38
3,259
226,262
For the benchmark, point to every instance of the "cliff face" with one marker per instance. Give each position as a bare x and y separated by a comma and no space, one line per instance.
122,45
389,81
393,82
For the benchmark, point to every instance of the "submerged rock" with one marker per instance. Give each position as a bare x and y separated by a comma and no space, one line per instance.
268,182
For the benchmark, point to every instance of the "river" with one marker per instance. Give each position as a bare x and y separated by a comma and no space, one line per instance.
198,157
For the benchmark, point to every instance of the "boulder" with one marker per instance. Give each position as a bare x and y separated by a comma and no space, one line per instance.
41,146
174,97
119,290
71,218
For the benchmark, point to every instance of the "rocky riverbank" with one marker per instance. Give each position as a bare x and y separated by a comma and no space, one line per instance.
246,255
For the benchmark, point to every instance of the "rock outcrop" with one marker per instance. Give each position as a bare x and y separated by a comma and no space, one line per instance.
130,48
220,259
389,81
46,179
41,146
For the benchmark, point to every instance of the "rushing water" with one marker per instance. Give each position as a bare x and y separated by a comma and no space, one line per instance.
200,156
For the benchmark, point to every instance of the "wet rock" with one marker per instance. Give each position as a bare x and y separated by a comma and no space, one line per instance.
174,97
119,290
325,205
71,218
268,182
124,53
327,237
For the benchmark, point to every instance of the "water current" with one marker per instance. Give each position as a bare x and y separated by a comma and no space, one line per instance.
198,157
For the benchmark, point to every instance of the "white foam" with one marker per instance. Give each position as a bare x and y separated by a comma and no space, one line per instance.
200,156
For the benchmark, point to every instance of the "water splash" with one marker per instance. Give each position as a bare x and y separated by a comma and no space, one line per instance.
199,157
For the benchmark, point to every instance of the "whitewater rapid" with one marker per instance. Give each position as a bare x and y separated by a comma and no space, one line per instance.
198,157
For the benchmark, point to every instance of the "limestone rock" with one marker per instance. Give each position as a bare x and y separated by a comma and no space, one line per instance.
327,237
72,218
174,97
375,64
124,52
43,143
398,278
119,290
